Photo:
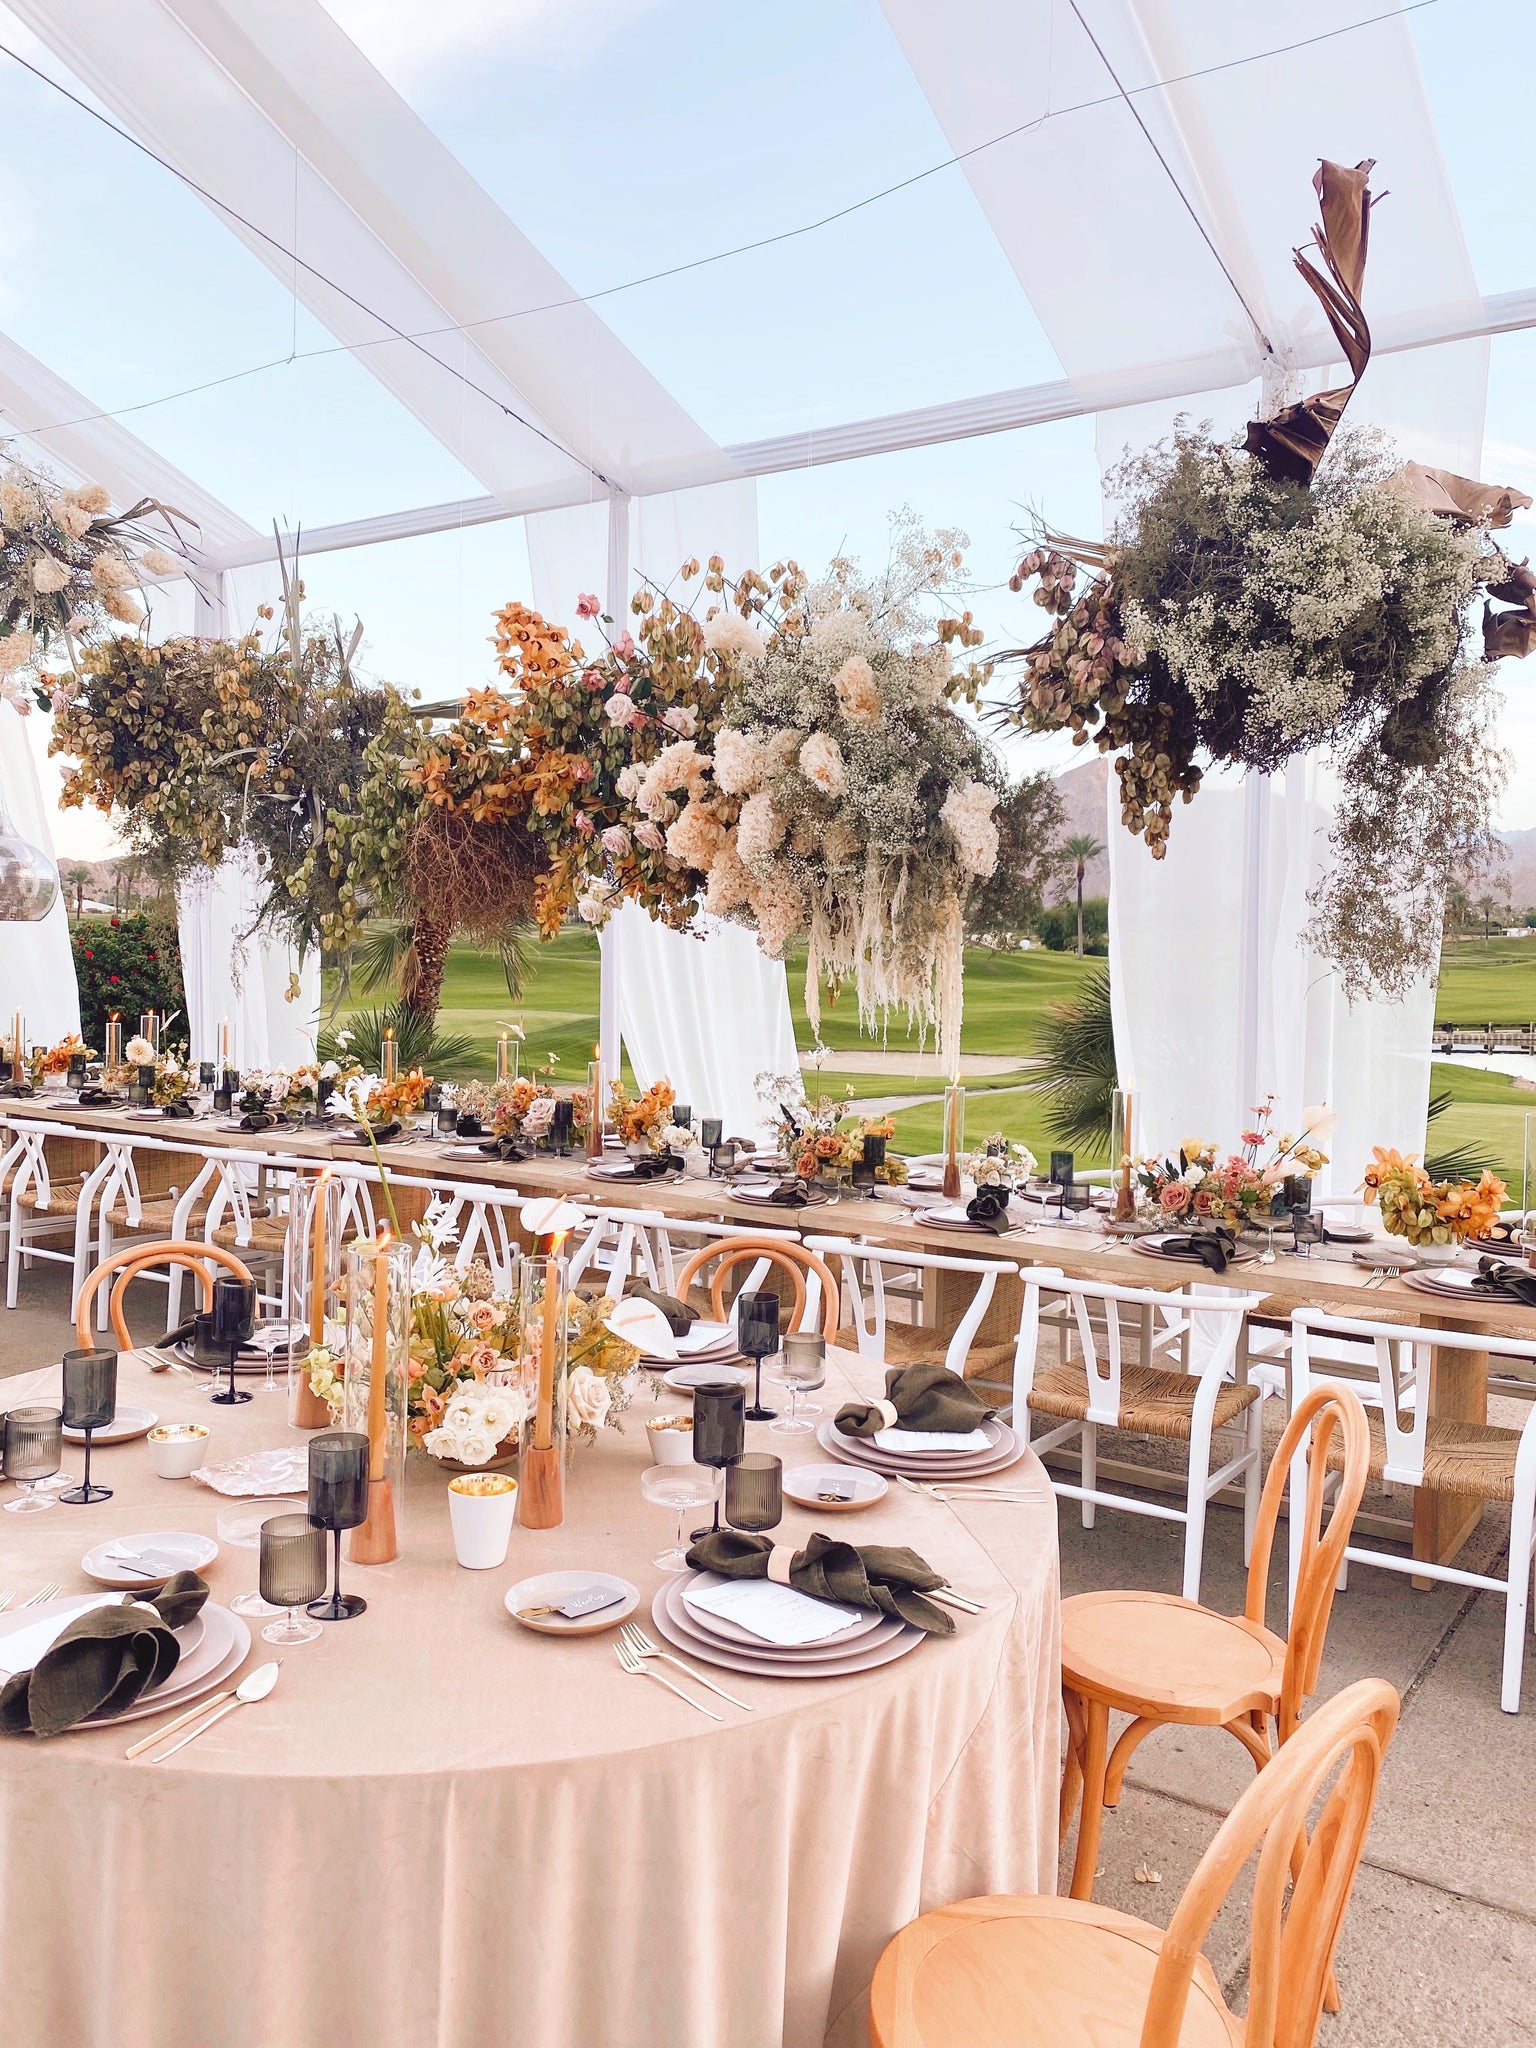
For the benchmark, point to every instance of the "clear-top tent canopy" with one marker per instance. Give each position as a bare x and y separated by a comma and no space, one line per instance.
408,278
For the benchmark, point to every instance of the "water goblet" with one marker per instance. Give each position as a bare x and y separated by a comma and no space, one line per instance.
234,1319
719,1430
802,1365
291,1574
34,1449
338,1499
90,1402
679,1487
239,1526
757,1332
754,1492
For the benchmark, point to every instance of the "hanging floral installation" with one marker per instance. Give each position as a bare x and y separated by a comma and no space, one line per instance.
1300,589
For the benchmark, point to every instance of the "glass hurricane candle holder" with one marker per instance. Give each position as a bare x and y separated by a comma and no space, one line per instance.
376,1291
315,1229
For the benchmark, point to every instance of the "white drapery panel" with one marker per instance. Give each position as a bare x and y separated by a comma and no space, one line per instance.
707,1012
252,980
37,968
276,111
713,997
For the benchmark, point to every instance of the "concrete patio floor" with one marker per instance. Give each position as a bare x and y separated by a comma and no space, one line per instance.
1439,1949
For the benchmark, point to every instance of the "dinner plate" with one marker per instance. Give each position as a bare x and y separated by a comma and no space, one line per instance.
550,1586
882,1628
466,1152
224,1648
702,1339
682,1379
1346,1233
194,1552
715,1627
246,1362
802,1483
762,1198
1454,1283
1152,1247
868,1657
930,1465
125,1425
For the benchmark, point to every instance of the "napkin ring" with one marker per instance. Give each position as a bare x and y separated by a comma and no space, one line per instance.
780,1558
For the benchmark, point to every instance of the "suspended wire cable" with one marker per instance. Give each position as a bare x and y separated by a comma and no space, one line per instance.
417,336
1188,204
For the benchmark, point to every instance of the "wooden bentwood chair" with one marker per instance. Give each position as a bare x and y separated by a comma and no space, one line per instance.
762,1253
1163,1659
1044,1972
134,1259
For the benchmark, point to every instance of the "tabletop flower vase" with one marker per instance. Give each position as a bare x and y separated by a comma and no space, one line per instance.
377,1294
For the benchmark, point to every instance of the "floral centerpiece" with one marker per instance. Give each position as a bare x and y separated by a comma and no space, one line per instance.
173,1081
642,1120
376,1105
1001,1163
522,1109
824,1136
472,1373
1429,1212
57,1058
1201,1186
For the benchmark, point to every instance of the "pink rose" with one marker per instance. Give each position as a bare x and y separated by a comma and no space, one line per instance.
587,606
484,1358
594,679
623,685
582,772
616,841
621,710
584,825
481,1315
1174,1199
681,721
651,835
1205,1201
624,647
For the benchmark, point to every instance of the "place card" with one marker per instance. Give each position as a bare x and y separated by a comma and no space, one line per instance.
932,1440
778,1614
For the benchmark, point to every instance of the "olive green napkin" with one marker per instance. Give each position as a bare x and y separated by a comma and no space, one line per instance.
680,1317
883,1576
925,1397
102,1662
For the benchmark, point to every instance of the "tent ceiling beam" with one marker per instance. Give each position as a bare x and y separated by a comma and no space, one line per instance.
997,412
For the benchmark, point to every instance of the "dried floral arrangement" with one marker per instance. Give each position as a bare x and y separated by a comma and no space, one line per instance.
1255,600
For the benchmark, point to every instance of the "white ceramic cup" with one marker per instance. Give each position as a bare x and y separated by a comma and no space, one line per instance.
670,1446
176,1449
482,1506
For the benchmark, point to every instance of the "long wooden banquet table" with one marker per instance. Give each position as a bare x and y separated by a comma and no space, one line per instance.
1329,1279
445,1831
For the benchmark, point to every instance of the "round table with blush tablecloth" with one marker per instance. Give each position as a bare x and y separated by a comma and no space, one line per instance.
444,1831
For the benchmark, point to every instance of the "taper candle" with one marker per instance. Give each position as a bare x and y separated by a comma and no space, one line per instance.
223,1045
595,1104
374,1540
389,1055
317,1283
18,1045
504,1057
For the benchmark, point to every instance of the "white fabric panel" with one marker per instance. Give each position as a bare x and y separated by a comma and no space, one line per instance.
37,968
708,1012
229,92
231,973
1243,143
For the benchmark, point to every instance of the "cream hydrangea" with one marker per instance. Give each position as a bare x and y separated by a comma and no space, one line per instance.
739,763
821,762
967,811
49,575
696,836
734,638
760,829
730,884
858,694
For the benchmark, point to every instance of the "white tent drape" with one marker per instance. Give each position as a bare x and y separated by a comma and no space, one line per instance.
709,1013
272,1004
37,968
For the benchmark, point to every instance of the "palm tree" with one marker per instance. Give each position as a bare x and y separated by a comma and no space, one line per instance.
1486,907
78,878
1082,847
1075,1047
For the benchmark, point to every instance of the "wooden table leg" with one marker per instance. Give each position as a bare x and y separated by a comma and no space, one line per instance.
1458,1392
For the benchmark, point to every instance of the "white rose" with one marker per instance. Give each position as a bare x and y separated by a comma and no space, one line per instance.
501,1411
588,1396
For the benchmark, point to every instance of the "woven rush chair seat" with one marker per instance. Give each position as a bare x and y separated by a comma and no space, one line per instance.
912,1344
1152,1402
155,1217
268,1234
63,1199
1475,1458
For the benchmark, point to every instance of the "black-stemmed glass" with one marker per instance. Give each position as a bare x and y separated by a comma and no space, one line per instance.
291,1574
757,1332
754,1492
90,1402
234,1321
338,1499
33,1452
719,1431
562,1123
710,1131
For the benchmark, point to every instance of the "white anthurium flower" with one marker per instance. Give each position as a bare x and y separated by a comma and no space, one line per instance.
343,1038
548,1216
355,1092
1318,1124
642,1324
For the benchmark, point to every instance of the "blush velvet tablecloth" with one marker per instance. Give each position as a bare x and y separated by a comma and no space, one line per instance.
443,1831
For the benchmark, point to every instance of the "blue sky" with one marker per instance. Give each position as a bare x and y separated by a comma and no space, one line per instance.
622,136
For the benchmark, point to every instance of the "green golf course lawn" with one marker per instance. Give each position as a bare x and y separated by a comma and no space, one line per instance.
1006,995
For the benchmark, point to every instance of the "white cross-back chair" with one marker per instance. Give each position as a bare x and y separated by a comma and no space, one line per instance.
42,1210
865,1270
1096,1385
646,1245
1411,1447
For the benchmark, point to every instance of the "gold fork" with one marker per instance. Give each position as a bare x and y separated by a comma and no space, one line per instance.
632,1663
638,1641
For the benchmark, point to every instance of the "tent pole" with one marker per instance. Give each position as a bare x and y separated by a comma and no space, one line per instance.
610,950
